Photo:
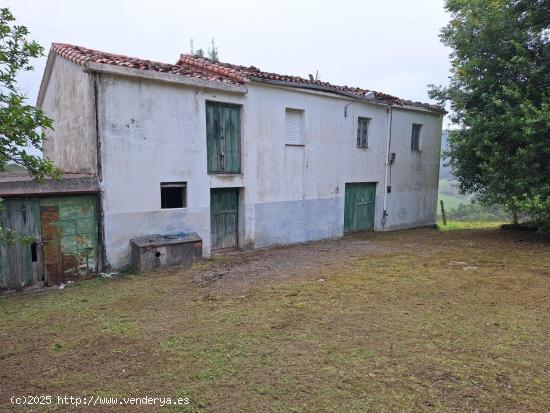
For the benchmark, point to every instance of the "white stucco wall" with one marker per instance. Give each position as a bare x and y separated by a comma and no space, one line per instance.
153,132
414,176
300,190
69,101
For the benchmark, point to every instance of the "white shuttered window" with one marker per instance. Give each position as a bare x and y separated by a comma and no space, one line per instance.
294,127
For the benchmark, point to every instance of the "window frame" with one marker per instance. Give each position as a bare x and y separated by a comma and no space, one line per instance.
302,138
360,121
180,184
415,143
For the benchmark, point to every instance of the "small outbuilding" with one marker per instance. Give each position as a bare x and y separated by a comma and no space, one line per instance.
60,218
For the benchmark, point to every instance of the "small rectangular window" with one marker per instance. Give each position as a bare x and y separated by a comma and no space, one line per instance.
173,195
294,127
363,132
415,138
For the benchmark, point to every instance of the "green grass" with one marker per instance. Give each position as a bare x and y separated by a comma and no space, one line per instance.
417,320
452,225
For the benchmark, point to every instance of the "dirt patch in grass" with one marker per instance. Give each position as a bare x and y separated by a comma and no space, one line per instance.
420,320
258,268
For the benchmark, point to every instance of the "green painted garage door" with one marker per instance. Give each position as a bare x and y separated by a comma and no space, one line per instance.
63,240
70,237
359,207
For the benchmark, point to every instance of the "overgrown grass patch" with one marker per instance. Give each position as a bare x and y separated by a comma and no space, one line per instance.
451,225
421,320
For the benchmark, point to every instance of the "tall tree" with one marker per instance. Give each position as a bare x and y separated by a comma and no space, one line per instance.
21,124
499,97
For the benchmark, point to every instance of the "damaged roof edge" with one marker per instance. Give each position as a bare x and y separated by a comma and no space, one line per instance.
251,73
326,89
163,77
89,67
96,61
203,73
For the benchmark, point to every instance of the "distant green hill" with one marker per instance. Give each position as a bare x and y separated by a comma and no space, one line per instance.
450,195
450,202
459,206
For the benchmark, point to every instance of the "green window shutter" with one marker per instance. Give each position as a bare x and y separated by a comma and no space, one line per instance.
212,140
223,138
233,139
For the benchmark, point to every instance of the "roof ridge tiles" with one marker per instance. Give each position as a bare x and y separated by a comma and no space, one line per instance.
253,73
203,68
82,55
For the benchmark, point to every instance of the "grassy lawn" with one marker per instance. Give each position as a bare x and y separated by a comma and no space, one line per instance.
420,320
452,225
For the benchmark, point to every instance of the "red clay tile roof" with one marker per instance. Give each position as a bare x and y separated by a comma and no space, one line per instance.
202,68
251,73
82,55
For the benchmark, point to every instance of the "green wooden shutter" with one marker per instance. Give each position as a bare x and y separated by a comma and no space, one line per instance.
233,139
223,138
212,141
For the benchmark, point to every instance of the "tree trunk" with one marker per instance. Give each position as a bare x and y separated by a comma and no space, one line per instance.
515,216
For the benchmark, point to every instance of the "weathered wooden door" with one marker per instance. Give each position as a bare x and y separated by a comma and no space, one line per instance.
359,207
70,235
223,137
21,263
224,210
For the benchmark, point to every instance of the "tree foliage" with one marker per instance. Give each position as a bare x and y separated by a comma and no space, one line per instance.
21,124
499,97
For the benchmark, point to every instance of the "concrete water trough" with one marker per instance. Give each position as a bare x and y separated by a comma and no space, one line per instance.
164,250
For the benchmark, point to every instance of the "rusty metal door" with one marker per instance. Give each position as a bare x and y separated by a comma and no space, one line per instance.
70,236
21,262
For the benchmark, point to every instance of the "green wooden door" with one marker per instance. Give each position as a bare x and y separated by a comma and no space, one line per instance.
21,263
223,137
224,209
359,207
70,234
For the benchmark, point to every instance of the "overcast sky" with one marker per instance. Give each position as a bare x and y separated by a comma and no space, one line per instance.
390,46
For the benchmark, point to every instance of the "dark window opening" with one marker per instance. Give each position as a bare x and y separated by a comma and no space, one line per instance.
415,138
363,132
173,195
34,255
